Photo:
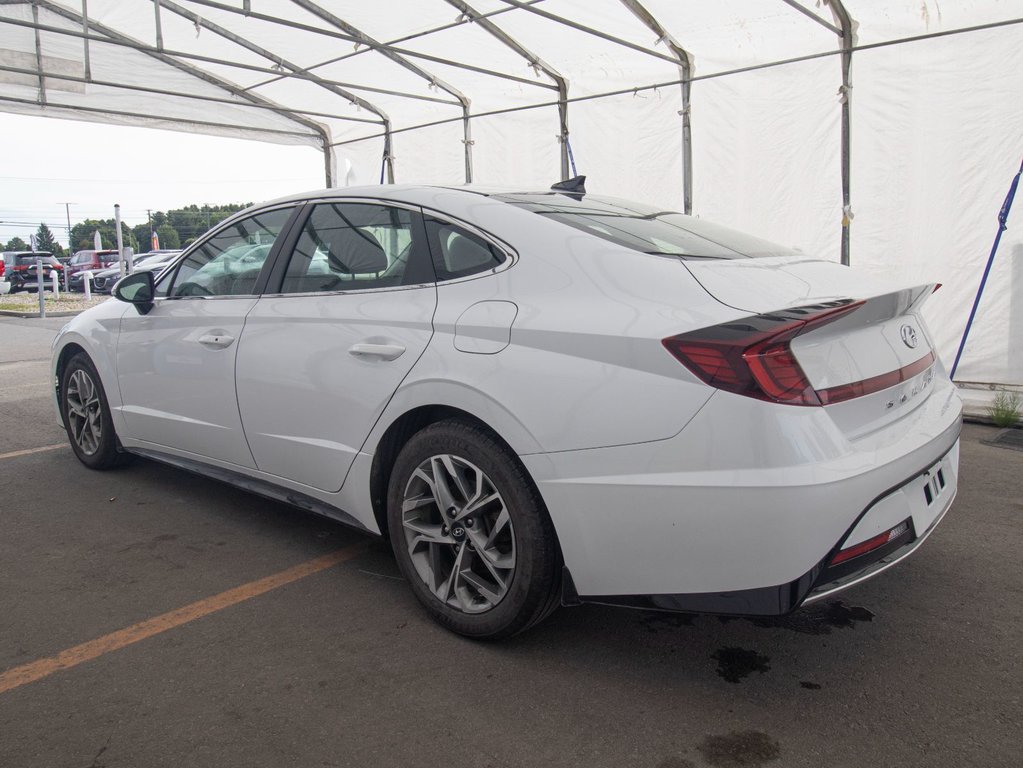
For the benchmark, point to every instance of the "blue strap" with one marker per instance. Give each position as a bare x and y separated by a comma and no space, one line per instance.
1003,217
571,159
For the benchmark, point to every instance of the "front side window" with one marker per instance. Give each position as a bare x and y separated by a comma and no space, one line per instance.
352,246
229,263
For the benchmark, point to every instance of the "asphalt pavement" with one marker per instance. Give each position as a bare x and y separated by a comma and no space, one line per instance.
151,618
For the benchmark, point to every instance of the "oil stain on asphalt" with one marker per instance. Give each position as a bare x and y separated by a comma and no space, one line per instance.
736,663
739,749
818,619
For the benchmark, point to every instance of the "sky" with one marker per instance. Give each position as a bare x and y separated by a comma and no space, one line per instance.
47,162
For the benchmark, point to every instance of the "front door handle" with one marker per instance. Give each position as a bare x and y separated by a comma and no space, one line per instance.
216,340
379,351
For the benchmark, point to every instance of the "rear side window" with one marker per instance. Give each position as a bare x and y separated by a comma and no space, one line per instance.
458,252
354,247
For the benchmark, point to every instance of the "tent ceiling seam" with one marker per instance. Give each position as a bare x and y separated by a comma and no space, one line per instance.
795,4
588,30
178,94
406,38
369,46
712,75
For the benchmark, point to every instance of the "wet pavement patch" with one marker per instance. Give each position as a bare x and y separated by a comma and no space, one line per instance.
736,663
676,762
818,619
654,621
739,749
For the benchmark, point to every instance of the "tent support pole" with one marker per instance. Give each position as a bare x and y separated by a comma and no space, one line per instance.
538,64
85,39
685,71
159,25
329,161
39,56
845,22
468,142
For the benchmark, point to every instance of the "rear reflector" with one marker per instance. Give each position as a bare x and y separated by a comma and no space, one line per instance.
875,383
871,544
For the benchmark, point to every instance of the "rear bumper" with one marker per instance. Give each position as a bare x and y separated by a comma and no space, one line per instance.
766,496
821,581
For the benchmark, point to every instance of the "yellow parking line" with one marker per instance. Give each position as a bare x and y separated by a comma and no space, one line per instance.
30,451
79,654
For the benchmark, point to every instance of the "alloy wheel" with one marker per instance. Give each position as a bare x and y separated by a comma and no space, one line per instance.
84,411
459,533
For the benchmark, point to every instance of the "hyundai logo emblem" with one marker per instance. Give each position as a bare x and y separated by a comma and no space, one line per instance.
909,336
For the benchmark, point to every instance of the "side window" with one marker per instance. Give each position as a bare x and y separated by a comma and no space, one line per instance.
351,247
458,252
229,262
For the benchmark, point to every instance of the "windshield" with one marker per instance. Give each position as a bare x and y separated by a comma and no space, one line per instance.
646,229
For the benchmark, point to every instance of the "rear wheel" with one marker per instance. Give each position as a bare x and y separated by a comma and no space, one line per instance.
471,535
87,420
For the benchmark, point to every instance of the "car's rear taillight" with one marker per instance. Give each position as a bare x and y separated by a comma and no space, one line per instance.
753,356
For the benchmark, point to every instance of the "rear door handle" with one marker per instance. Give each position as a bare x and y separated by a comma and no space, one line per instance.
380,351
216,340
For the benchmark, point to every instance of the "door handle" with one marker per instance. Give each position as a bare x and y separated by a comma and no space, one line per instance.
380,351
216,340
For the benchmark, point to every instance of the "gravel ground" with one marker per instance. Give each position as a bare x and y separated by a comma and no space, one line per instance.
29,302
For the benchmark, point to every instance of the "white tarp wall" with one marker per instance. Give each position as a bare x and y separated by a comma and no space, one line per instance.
937,124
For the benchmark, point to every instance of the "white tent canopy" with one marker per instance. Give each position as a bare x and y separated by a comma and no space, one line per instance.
881,131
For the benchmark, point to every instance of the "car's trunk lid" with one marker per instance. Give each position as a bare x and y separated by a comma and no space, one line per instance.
876,360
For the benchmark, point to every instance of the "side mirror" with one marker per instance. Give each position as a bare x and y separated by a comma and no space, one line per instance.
137,289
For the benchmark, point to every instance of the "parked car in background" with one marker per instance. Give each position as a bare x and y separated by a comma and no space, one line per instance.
541,398
88,261
19,269
104,280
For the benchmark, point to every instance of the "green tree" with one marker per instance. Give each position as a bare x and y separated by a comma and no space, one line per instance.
45,241
16,244
82,235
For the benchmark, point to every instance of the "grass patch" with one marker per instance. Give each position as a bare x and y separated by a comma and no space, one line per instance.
1005,410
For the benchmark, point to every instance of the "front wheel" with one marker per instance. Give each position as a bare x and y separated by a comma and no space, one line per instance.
470,532
87,420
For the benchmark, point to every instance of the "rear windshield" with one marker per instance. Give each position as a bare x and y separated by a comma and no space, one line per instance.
646,229
29,260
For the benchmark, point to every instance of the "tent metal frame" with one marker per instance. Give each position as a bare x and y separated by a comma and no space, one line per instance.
534,61
90,32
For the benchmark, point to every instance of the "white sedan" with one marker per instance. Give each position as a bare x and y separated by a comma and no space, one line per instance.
540,398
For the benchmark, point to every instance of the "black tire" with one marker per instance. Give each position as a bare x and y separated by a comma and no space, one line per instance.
533,589
104,451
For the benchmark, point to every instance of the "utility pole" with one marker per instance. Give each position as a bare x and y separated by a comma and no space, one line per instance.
70,247
67,211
